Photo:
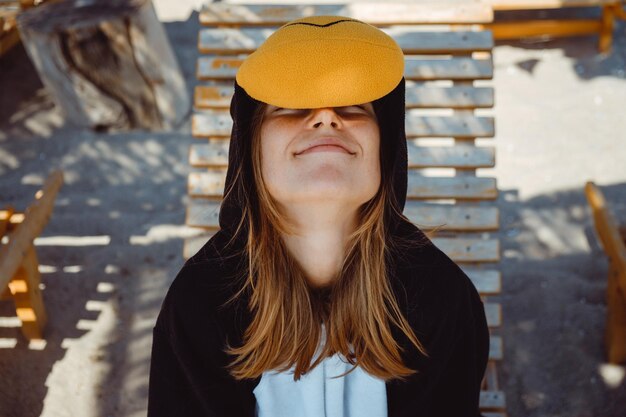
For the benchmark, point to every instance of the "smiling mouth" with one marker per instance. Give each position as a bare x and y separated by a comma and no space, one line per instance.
325,148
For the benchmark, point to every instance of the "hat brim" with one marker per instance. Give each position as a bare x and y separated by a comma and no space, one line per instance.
323,64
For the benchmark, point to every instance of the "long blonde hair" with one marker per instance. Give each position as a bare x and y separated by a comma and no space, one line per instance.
357,310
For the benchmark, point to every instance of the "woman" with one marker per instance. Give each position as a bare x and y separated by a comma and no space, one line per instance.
317,296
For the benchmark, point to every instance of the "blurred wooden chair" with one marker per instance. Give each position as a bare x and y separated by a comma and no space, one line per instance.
447,56
560,27
613,238
9,9
19,267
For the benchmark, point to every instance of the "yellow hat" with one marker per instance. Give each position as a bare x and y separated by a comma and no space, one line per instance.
322,61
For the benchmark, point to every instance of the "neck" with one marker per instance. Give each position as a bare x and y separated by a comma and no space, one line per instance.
320,243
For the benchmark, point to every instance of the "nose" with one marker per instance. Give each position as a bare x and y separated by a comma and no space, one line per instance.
325,116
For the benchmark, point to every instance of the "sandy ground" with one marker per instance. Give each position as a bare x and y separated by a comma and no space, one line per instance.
114,242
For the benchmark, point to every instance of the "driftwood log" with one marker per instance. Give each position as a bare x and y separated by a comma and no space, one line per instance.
107,63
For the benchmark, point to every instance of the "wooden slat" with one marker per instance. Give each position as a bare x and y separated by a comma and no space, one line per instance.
490,278
493,312
373,13
211,124
492,400
214,153
470,188
553,28
211,184
415,68
228,41
490,378
219,124
456,97
495,348
545,4
461,249
487,282
213,96
448,126
202,213
458,156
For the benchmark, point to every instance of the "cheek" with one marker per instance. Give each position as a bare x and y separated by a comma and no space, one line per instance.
373,149
272,159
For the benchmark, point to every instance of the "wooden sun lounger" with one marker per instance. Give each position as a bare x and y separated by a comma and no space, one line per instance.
613,240
448,61
19,267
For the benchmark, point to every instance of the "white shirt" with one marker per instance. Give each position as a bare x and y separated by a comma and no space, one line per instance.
317,395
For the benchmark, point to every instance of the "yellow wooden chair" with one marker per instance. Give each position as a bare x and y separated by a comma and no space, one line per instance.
447,55
613,240
19,267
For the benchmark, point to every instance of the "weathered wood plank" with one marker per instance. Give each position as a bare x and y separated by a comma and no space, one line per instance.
487,281
218,123
214,153
458,156
544,4
493,312
461,249
415,68
496,351
108,65
492,400
228,41
458,97
203,213
211,184
194,243
471,188
373,13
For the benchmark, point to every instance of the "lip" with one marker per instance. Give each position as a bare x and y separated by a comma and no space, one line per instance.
328,144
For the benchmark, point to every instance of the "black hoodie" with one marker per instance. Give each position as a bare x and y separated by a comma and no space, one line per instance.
187,375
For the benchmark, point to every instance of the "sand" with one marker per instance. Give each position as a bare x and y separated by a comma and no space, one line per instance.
114,241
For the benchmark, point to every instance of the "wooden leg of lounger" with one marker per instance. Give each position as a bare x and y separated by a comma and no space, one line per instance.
615,337
27,296
606,30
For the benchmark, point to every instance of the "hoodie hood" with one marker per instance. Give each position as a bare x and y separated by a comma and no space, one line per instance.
389,111
257,82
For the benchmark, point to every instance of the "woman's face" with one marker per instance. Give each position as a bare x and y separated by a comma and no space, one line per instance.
297,167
